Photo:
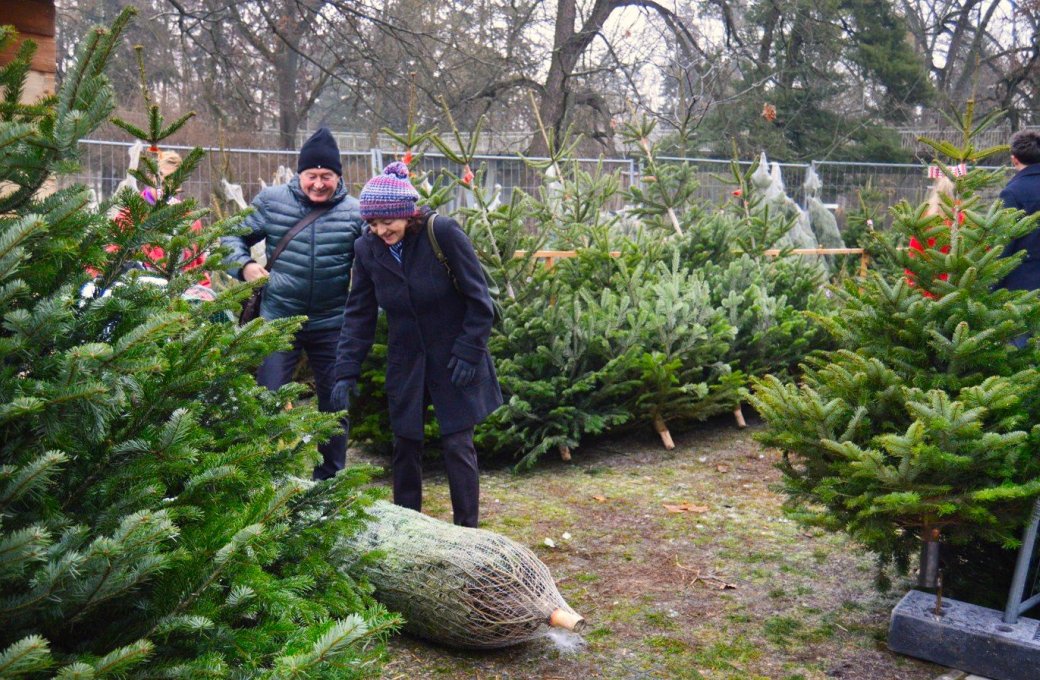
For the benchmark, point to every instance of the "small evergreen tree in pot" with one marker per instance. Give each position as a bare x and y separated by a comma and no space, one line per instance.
921,425
150,521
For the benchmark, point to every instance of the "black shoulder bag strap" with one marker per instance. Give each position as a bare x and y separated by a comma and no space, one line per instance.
441,257
296,229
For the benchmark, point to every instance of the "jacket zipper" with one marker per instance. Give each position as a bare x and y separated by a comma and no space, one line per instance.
314,255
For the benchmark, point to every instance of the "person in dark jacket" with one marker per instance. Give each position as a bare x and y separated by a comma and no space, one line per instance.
438,331
1023,193
311,276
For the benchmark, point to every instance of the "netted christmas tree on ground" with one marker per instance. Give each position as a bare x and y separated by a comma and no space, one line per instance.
462,587
150,522
921,426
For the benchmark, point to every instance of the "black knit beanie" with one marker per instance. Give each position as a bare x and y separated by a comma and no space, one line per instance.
320,151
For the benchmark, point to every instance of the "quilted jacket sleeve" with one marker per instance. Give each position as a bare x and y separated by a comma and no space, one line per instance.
255,226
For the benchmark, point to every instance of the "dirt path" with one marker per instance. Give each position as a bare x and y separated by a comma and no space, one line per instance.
724,588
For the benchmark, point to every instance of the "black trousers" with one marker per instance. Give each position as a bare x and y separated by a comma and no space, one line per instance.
460,462
279,368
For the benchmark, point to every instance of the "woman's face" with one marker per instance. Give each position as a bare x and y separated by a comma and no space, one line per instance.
390,230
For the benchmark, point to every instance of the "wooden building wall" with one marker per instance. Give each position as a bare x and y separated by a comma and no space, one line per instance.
34,19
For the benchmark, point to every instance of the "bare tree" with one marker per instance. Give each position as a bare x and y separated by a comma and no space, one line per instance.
368,64
573,33
986,50
271,58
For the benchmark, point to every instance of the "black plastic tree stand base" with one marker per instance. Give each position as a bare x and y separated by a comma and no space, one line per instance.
966,637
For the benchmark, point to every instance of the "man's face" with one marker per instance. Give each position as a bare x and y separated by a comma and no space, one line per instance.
318,184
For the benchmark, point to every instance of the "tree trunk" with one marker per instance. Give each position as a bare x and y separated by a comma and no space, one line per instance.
288,115
569,43
662,430
568,46
292,22
552,105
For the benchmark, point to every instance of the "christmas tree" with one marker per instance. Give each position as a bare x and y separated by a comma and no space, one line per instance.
920,426
151,524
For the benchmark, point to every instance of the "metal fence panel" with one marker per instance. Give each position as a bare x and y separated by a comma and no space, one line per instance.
716,177
104,165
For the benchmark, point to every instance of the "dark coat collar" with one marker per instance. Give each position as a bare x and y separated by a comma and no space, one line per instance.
382,255
1029,170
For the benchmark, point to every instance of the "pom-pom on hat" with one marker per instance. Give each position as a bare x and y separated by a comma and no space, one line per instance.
320,151
389,195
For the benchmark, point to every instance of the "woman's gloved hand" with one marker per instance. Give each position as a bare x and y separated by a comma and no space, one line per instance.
462,372
340,397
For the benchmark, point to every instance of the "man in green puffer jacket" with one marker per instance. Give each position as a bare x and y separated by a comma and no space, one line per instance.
312,274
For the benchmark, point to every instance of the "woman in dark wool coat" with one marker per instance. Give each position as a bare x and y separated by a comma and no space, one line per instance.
438,332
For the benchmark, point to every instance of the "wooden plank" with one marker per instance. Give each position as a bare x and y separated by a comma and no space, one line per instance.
45,60
773,252
29,16
550,256
864,256
539,254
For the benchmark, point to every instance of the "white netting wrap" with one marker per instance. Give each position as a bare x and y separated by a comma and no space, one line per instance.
462,587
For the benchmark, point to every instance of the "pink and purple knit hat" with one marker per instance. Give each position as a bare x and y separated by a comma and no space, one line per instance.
389,195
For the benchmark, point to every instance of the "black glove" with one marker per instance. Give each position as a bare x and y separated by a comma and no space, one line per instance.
340,397
462,372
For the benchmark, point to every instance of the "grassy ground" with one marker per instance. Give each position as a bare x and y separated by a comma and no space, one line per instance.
725,587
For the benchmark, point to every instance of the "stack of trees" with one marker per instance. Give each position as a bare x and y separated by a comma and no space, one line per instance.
667,309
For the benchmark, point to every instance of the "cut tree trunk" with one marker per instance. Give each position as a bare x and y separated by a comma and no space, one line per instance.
662,429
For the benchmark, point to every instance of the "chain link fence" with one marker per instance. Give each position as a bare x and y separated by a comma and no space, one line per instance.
103,165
